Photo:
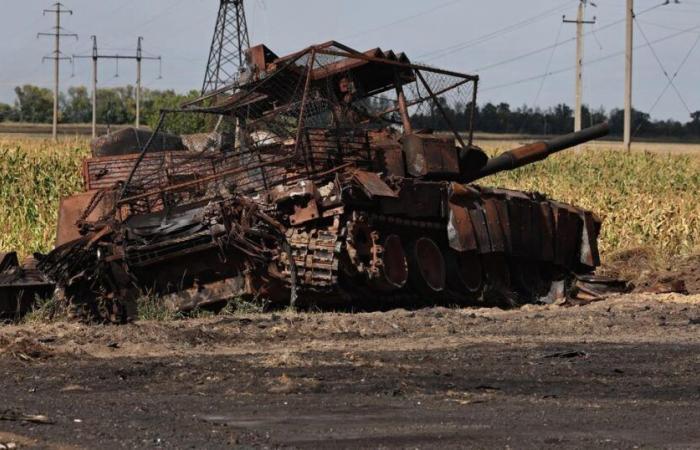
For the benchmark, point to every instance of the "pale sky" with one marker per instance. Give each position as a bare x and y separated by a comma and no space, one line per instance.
456,34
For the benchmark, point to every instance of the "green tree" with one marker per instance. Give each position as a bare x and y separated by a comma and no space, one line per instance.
694,125
77,106
561,119
640,122
7,113
488,118
34,104
112,107
181,123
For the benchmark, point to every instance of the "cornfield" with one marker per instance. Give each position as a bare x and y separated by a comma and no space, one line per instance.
647,199
34,175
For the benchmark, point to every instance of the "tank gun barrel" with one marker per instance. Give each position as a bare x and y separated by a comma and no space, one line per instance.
539,151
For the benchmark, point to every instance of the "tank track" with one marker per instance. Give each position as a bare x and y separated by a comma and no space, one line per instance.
517,245
316,255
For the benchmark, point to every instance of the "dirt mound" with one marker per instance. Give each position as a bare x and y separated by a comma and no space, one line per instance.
24,349
642,268
685,271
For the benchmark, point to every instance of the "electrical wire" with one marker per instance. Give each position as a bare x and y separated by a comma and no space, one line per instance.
440,53
119,8
595,35
549,64
589,62
566,41
670,83
662,26
402,20
663,69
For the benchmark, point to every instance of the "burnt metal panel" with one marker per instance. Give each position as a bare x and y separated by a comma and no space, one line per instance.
373,185
568,231
305,213
421,199
519,226
428,155
71,209
392,161
105,172
460,230
547,230
478,220
504,219
535,238
589,241
493,223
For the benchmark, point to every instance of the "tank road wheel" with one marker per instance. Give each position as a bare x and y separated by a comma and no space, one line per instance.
465,274
376,260
394,266
427,267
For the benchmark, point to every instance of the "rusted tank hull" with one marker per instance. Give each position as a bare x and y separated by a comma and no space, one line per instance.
535,241
331,195
20,286
441,242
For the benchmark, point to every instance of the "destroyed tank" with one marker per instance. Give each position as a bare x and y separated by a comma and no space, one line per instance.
334,192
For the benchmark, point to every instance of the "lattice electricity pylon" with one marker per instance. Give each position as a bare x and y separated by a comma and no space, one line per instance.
228,46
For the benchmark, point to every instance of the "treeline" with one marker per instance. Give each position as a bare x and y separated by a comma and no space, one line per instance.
559,119
118,106
115,106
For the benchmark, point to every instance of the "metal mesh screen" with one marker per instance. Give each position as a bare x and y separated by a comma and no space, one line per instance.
303,116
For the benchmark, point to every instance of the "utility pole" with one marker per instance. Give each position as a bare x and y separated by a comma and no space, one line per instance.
629,50
139,57
97,56
580,22
57,57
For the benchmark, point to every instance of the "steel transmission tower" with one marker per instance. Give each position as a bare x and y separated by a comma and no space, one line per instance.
228,46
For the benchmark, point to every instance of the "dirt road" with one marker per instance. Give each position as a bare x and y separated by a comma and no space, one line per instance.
621,373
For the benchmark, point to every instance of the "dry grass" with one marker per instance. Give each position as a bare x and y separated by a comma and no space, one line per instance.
647,199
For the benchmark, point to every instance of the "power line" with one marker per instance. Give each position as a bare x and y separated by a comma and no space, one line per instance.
549,64
549,47
124,4
589,62
440,53
96,56
663,69
402,20
663,92
662,26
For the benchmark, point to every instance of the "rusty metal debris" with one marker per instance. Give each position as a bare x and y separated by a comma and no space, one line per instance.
20,285
328,193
